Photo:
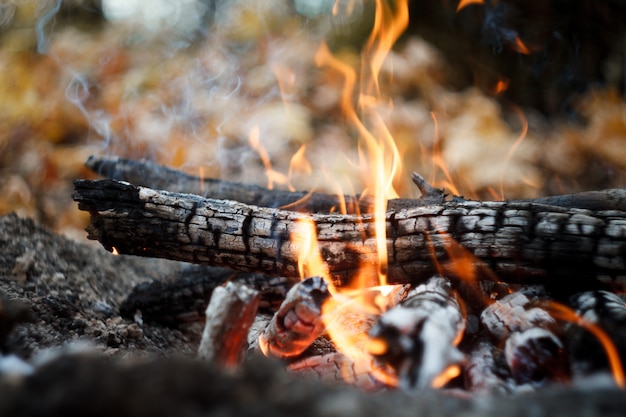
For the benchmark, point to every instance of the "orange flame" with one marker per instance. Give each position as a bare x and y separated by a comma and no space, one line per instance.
382,155
349,313
273,176
520,47
562,312
464,3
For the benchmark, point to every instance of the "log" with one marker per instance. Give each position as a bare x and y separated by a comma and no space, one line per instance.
151,175
520,242
229,315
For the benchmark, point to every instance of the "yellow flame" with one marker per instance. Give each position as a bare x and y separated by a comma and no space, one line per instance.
310,262
382,158
114,251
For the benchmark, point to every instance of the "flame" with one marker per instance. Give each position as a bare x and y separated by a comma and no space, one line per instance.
438,161
520,47
382,158
464,3
514,148
564,313
501,86
114,251
273,176
310,262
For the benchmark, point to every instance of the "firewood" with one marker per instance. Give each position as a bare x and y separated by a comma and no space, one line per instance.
151,175
229,315
486,371
418,338
298,321
183,296
519,241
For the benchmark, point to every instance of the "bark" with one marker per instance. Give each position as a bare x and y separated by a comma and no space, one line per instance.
519,241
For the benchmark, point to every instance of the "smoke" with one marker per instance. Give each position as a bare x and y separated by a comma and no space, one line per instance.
40,26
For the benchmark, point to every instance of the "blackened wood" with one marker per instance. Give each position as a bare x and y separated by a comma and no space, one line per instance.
184,296
149,174
519,241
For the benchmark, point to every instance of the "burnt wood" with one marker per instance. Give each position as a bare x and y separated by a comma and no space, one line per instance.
519,241
151,175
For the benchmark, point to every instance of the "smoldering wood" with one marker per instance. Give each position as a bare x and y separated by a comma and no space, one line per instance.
148,174
298,321
418,337
229,315
519,241
183,296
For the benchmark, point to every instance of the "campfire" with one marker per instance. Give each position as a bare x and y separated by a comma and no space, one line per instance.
478,295
377,291
371,275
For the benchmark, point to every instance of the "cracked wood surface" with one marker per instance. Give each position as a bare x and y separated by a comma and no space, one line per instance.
519,241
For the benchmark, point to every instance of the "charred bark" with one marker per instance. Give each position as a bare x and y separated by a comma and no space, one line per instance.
519,241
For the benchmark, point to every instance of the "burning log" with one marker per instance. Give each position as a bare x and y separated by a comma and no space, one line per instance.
519,241
418,338
298,322
229,316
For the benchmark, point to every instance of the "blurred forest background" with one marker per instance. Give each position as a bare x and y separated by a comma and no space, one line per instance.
500,99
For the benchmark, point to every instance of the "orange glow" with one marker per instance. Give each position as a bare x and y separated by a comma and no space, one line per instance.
464,3
520,47
501,86
564,313
286,79
348,9
114,251
446,376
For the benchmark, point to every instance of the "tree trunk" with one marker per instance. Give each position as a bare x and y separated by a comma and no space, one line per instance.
518,241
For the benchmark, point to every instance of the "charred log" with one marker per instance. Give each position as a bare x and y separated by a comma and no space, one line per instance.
148,174
519,241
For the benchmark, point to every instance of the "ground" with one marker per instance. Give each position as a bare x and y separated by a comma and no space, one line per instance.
60,315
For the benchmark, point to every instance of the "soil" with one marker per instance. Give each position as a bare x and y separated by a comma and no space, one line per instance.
59,314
